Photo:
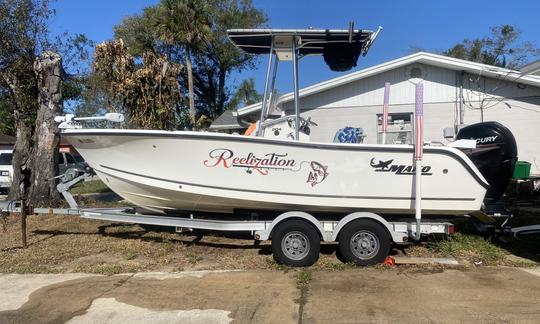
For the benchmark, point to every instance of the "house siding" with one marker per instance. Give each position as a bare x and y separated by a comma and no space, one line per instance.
439,86
357,104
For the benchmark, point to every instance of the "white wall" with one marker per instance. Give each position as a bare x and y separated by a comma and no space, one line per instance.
436,117
523,119
439,86
357,103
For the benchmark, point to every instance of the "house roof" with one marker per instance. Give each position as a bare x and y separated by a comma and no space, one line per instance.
226,121
420,57
532,68
6,139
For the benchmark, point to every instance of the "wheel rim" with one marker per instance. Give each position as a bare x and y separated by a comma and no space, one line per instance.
364,245
295,245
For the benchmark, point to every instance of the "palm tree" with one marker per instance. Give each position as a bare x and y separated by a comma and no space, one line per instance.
245,95
184,23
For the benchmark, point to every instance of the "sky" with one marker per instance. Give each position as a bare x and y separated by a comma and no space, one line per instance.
431,25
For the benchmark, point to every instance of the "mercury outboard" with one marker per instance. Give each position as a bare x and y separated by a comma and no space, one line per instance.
495,156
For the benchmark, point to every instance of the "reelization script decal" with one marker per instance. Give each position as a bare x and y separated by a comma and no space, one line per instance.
263,164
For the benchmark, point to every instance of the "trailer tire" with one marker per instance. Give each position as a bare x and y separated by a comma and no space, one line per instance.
364,242
296,243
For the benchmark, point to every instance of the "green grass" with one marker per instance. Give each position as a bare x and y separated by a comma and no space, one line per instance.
303,278
92,203
193,258
274,265
131,255
95,186
334,265
471,247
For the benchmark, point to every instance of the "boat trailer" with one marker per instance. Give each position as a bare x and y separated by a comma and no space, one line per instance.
373,245
308,230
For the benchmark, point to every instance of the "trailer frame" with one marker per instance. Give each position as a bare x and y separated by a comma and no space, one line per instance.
375,228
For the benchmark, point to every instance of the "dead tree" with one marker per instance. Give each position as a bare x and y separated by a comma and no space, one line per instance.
149,93
24,98
46,139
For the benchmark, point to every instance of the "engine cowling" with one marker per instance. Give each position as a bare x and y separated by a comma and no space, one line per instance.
495,155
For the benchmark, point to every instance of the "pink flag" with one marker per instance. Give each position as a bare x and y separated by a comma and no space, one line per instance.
385,107
419,122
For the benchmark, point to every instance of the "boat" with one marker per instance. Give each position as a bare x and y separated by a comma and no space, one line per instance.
176,171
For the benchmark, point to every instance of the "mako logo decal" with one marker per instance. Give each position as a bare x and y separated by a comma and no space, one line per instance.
400,169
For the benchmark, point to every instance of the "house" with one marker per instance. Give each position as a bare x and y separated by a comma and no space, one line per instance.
227,122
532,68
6,142
456,93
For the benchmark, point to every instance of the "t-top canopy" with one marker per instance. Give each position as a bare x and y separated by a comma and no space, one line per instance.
311,41
340,48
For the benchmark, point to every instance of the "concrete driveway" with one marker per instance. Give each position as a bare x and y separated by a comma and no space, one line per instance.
351,296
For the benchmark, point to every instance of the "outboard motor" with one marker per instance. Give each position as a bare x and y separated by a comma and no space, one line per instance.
495,155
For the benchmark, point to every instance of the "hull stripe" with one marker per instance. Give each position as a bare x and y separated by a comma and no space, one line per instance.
273,192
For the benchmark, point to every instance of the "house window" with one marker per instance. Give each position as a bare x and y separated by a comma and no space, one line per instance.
400,128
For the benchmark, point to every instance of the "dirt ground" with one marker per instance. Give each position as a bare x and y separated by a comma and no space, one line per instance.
64,244
367,295
87,271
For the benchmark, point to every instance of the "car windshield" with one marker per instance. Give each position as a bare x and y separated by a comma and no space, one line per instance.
5,158
69,158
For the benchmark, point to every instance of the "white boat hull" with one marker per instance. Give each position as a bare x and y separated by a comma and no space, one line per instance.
160,171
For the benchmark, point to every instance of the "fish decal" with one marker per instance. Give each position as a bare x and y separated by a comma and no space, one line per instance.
381,164
317,174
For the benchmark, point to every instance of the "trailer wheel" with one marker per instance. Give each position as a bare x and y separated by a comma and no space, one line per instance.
364,242
296,243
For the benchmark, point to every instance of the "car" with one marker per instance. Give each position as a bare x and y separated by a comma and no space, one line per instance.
68,161
6,170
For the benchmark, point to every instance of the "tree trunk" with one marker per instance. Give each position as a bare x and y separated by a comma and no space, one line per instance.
24,92
21,159
221,88
48,69
190,86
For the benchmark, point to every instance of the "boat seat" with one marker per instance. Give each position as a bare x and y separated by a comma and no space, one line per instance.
349,135
251,130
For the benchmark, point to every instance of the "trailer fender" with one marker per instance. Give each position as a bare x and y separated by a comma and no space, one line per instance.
265,235
396,237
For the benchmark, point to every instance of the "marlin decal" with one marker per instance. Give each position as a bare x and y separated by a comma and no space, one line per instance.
381,164
318,173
